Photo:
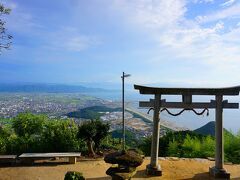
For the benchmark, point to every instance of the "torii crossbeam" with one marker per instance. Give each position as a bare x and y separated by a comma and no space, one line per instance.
218,104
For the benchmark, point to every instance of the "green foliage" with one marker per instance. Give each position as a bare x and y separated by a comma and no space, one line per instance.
93,131
130,137
87,130
2,145
232,148
73,175
145,146
22,144
208,147
102,132
182,144
37,133
5,39
60,136
173,148
93,112
4,134
110,143
179,137
26,124
191,147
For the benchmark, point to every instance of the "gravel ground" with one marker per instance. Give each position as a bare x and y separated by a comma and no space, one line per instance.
173,168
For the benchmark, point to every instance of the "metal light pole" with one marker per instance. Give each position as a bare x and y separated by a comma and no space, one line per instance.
123,109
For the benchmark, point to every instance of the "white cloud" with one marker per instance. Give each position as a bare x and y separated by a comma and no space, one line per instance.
80,43
228,3
21,20
70,39
230,12
214,46
203,1
153,13
207,40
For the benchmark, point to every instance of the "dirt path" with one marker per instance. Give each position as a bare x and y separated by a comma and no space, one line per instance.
95,170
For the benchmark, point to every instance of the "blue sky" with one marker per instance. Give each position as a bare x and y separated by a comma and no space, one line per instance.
182,42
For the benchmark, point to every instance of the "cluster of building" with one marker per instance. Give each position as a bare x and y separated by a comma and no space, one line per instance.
136,125
11,105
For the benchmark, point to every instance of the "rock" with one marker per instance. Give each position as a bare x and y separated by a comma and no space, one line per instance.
125,163
118,173
124,158
200,159
162,158
173,158
211,159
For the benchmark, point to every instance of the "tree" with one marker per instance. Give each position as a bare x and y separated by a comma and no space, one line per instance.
26,124
60,136
191,147
5,39
4,133
173,148
102,132
93,131
231,148
208,146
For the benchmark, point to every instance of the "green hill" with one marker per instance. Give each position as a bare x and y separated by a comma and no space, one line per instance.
93,112
209,129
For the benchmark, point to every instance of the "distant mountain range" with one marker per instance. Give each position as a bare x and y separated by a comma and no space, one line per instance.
49,88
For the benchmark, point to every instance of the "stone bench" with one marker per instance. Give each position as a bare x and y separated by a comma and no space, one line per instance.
30,157
4,159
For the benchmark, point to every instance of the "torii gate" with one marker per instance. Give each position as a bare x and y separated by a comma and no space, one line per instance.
218,104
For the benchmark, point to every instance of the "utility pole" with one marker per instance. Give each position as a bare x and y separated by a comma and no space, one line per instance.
123,110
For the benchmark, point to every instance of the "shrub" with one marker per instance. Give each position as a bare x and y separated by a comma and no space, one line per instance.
36,133
60,136
93,131
232,148
17,145
182,144
73,175
2,145
208,147
173,148
145,146
4,133
191,147
26,124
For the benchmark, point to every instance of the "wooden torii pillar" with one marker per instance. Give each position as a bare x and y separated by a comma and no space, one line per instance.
218,104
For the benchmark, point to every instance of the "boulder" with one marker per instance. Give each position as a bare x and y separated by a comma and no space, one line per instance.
124,158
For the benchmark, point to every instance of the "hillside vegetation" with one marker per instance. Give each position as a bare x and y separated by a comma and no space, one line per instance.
192,145
93,112
36,133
